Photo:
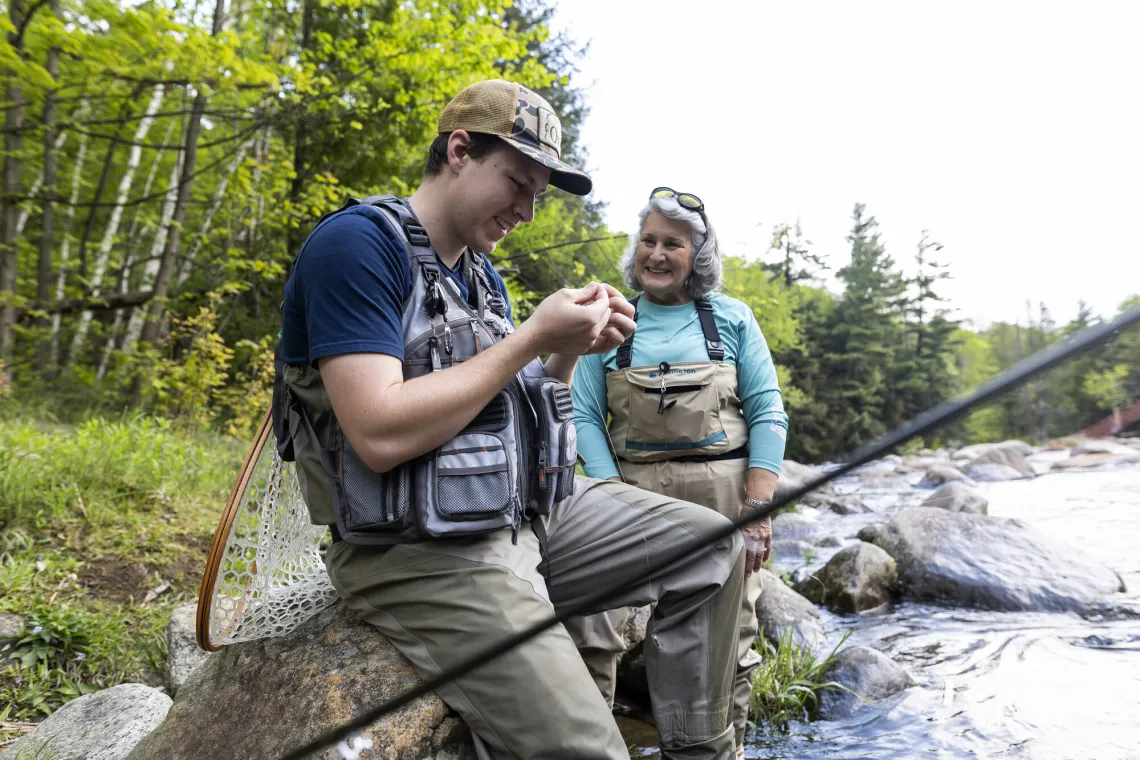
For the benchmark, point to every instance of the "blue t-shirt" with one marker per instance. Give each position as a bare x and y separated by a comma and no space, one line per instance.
346,293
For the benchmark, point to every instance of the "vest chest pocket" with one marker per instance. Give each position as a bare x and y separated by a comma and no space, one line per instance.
674,411
473,477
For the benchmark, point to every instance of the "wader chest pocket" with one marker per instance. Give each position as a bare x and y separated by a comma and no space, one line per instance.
674,411
557,444
367,501
473,477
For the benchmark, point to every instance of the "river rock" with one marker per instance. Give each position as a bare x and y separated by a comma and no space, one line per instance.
11,626
632,632
958,497
840,504
867,672
183,653
988,472
988,562
879,467
940,474
105,725
779,608
261,699
860,577
1106,447
1084,461
793,475
1005,454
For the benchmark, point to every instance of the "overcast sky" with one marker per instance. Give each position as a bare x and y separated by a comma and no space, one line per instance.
1010,130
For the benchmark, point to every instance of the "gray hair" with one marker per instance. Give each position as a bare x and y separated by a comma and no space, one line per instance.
707,269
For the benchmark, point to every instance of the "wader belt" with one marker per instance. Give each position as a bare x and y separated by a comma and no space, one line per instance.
713,344
740,452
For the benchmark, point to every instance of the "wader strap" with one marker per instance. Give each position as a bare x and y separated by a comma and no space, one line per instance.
713,344
625,350
336,537
708,327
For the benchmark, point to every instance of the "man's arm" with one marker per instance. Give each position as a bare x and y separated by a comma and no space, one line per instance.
389,421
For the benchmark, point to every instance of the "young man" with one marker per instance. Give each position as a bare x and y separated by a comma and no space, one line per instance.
422,422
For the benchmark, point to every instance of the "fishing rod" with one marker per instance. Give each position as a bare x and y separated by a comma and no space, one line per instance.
944,413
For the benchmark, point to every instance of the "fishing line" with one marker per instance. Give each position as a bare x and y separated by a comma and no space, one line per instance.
944,413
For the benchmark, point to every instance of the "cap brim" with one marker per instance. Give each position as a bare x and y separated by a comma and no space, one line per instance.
562,175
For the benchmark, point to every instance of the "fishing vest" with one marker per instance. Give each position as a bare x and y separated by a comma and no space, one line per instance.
686,410
515,460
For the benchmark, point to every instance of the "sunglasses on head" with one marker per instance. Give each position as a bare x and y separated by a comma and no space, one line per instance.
686,200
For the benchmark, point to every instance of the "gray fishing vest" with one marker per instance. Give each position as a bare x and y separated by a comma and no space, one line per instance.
516,459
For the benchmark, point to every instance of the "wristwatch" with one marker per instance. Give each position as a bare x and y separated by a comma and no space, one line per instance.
757,505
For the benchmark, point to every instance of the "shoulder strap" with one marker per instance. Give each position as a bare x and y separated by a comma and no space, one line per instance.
475,275
409,229
708,326
625,350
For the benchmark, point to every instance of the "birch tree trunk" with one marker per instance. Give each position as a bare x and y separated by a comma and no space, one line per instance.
116,215
47,221
65,248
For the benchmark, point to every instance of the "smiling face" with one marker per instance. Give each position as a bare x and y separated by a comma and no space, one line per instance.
493,195
664,259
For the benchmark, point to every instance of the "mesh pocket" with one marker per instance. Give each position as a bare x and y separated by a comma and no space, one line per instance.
370,498
473,492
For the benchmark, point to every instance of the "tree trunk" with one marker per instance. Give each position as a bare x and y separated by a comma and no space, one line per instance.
187,265
174,239
108,242
138,315
38,182
47,233
13,170
65,246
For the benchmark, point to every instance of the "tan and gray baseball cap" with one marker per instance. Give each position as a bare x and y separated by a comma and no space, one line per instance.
520,117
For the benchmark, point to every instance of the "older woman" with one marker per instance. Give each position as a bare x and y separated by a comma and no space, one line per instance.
694,408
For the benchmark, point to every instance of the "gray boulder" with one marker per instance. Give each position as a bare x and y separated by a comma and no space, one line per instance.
867,672
791,525
183,654
632,632
941,474
988,562
1106,447
262,699
105,725
860,577
1005,454
779,609
11,626
958,497
846,504
1086,461
793,475
989,472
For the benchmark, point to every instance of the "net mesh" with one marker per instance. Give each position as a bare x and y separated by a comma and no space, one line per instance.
271,577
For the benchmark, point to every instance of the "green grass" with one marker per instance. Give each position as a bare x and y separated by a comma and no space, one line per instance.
787,684
92,516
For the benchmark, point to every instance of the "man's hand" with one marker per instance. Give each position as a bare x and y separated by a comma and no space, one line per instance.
569,321
620,325
757,544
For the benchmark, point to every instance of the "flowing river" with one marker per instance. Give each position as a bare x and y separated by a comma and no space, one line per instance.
1040,686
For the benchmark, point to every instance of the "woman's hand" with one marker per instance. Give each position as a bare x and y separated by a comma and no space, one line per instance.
757,544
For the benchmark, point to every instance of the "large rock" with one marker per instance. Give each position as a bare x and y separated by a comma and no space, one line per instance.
989,472
867,672
840,504
632,632
793,475
859,577
1107,447
940,474
183,653
11,626
958,497
262,699
105,725
1005,454
779,609
792,525
988,562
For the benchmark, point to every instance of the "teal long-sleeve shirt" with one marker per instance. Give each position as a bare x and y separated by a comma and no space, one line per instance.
673,334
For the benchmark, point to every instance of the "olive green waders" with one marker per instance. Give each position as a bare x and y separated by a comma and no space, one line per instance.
441,600
678,431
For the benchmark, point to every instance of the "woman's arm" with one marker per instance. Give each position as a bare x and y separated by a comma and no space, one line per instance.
589,394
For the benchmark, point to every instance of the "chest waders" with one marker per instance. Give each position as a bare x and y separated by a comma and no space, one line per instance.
684,412
513,461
